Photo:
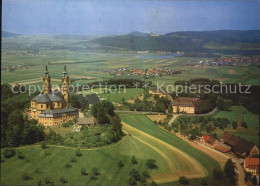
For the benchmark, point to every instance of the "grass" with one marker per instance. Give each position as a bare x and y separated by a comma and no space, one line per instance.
106,160
239,113
144,124
117,97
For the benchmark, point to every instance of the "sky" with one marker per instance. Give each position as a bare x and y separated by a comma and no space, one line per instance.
115,17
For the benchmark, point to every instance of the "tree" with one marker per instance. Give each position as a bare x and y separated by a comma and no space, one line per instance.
204,182
20,155
170,109
244,124
133,160
63,180
150,163
132,181
8,153
78,153
95,171
120,163
183,180
101,116
223,104
43,145
74,102
218,174
192,137
135,174
229,169
234,125
83,171
254,180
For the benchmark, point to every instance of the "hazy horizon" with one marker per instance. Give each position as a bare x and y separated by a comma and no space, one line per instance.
116,17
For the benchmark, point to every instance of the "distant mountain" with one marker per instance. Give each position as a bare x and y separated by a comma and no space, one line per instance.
179,41
136,33
8,34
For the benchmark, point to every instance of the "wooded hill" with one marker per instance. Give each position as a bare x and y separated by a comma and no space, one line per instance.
192,41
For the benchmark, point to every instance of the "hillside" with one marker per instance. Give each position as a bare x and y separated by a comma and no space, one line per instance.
184,41
8,34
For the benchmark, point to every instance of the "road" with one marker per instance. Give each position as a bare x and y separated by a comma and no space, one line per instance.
137,112
220,157
176,115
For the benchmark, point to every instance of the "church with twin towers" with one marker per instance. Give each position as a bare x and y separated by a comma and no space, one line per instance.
52,107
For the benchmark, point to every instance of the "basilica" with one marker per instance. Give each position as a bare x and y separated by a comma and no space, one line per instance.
52,107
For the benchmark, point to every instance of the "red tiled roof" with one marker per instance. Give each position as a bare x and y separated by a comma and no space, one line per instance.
251,162
186,101
222,147
205,138
238,144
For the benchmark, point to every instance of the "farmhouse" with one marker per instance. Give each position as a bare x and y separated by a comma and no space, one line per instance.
161,92
53,107
239,146
186,105
209,140
251,165
88,121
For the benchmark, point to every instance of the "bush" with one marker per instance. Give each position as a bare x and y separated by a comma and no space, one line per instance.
20,155
133,160
83,171
183,180
95,171
73,160
47,180
8,153
244,124
150,163
120,163
26,176
218,174
132,181
43,145
63,180
67,165
153,183
135,174
78,153
146,174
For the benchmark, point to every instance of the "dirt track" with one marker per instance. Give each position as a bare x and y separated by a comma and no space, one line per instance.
190,167
212,154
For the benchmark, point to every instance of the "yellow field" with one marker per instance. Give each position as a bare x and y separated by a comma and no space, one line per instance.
157,117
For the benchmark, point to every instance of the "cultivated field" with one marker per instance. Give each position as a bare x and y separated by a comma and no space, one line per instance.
143,124
88,65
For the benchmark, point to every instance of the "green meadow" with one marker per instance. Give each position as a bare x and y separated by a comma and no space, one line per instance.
238,114
92,60
40,166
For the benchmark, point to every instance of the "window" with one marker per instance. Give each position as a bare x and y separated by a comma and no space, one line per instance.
58,104
41,106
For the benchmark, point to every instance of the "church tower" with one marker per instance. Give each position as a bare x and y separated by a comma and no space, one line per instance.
65,87
46,82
